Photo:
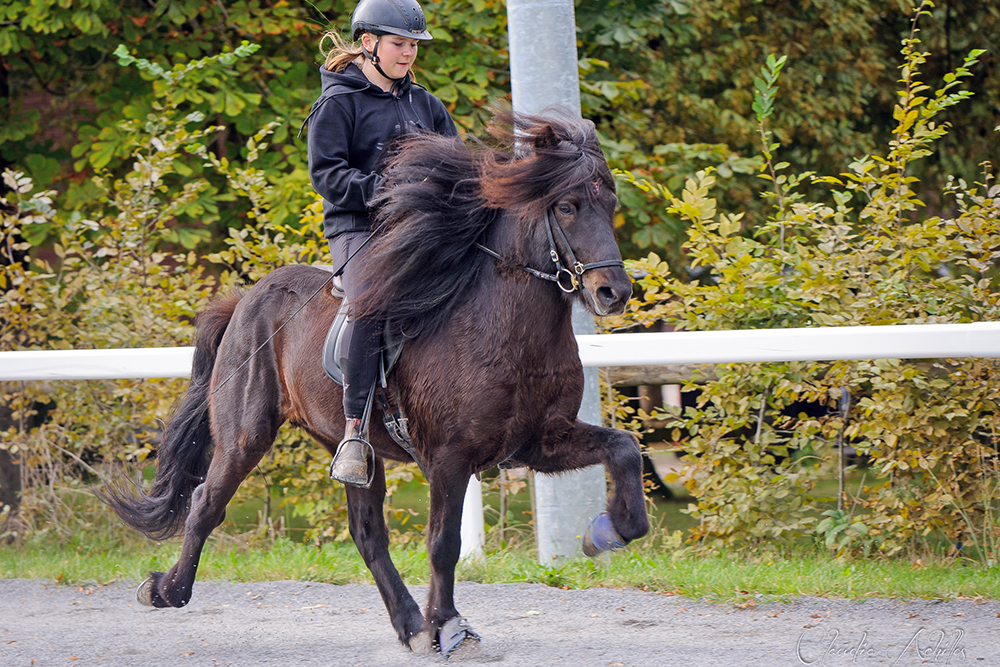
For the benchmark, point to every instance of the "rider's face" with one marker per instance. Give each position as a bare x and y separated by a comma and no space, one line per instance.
396,54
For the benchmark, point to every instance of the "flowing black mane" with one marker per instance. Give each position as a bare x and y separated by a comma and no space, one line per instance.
443,197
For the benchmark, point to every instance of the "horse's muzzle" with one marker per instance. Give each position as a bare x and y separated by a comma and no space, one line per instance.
607,295
610,302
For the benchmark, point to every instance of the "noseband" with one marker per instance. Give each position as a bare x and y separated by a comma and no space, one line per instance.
567,279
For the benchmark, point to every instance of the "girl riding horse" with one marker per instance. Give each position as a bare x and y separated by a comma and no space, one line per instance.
368,102
484,251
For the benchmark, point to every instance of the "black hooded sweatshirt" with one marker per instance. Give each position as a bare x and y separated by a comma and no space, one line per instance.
350,125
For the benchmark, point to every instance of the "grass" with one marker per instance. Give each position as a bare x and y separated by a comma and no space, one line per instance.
654,568
104,551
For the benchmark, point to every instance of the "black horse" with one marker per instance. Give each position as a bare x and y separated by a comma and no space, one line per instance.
484,250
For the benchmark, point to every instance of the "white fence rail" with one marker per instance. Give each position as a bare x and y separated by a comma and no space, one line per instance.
909,341
912,341
922,341
118,364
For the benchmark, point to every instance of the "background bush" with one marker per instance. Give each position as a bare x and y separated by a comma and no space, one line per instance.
868,253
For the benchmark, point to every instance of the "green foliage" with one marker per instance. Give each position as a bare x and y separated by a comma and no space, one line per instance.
669,84
170,77
871,256
763,102
466,64
840,530
118,279
697,62
60,51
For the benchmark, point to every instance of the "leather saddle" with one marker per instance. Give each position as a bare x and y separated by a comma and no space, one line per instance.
392,348
395,421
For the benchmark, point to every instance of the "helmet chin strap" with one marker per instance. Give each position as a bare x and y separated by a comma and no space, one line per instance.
373,57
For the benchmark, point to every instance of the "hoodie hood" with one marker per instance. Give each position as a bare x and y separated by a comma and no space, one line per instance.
350,81
353,80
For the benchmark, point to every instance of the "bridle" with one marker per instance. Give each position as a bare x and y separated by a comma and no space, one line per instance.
568,280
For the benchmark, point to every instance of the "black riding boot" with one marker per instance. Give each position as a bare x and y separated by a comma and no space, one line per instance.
350,463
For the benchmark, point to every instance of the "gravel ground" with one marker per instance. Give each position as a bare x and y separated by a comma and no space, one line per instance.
297,623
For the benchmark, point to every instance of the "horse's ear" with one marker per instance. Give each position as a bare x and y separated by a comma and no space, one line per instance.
545,138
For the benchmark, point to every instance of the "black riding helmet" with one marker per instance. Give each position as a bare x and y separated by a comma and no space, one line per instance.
396,17
393,17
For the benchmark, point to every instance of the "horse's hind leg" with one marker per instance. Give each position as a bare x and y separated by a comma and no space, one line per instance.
371,535
229,467
619,452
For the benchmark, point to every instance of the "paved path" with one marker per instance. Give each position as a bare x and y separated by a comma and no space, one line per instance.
297,623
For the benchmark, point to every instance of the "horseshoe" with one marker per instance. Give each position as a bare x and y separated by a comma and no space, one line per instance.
454,633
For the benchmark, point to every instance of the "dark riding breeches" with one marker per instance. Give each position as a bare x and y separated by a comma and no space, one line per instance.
362,336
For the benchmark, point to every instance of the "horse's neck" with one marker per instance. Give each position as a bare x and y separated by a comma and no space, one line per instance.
524,304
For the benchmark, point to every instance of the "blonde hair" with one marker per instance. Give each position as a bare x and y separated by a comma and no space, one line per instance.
342,52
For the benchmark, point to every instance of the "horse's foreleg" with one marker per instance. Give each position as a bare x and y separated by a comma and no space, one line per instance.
619,453
444,545
208,510
371,535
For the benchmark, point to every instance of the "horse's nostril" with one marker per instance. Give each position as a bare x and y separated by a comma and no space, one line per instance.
606,295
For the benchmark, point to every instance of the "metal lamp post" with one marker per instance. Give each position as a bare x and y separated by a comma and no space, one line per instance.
543,68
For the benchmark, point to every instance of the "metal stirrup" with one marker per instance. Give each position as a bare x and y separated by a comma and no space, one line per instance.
363,438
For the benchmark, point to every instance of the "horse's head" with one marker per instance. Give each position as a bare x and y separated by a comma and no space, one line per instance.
563,191
547,178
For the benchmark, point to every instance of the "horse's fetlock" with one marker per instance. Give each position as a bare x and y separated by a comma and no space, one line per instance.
634,527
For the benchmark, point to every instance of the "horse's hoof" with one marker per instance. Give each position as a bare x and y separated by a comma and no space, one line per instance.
144,592
455,633
148,594
422,642
601,536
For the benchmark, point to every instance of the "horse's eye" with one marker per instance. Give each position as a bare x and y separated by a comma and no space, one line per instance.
566,209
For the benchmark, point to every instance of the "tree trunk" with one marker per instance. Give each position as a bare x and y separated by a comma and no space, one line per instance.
10,468
5,108
10,472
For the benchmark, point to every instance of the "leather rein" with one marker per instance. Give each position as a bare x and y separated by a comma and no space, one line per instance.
568,280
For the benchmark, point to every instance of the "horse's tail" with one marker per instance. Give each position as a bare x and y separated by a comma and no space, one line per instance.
185,451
